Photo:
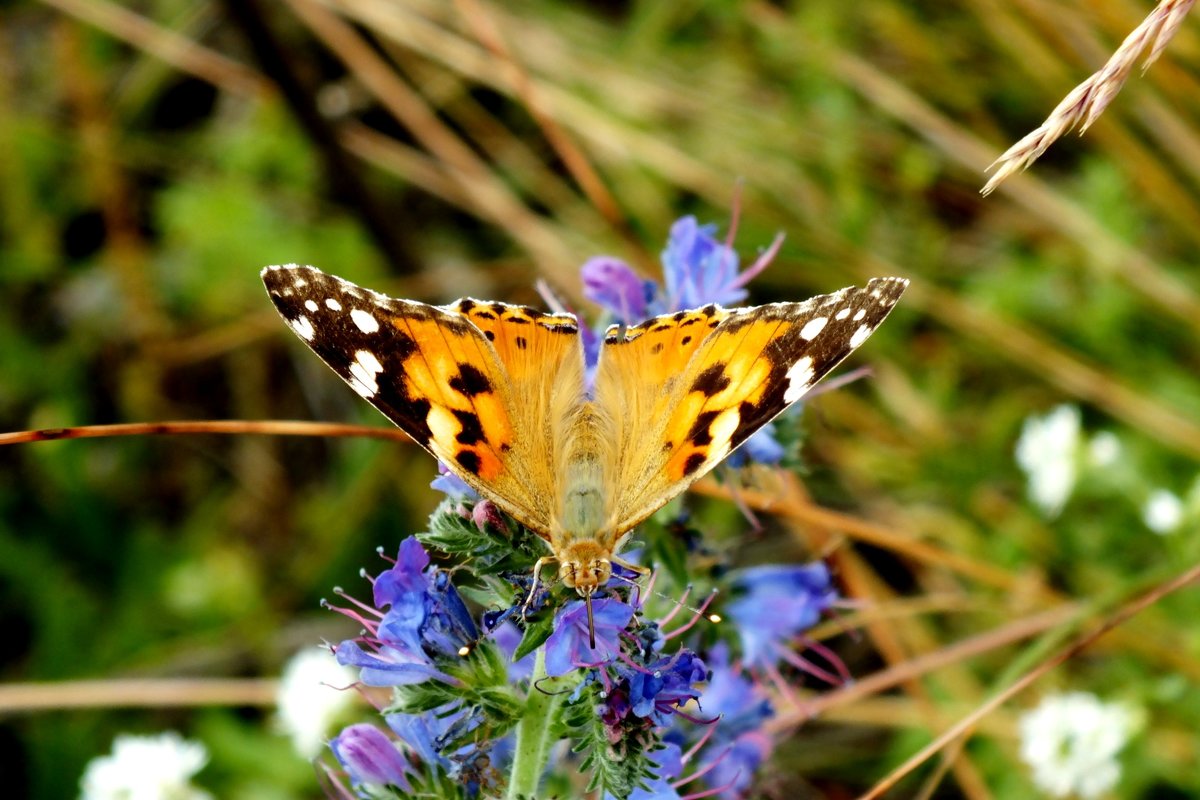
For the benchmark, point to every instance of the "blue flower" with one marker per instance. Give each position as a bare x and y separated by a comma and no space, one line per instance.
431,736
742,704
426,621
428,733
660,688
736,764
761,448
780,602
568,647
452,486
613,285
698,270
371,759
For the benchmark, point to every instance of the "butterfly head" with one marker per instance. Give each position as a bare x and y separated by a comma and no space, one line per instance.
585,566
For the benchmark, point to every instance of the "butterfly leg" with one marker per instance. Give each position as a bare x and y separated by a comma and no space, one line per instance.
537,571
639,569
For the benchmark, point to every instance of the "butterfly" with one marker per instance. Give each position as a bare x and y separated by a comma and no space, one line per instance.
499,394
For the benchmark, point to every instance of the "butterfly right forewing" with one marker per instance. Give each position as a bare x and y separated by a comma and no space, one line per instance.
751,365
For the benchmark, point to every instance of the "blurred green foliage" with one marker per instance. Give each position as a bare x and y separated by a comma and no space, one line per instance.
139,198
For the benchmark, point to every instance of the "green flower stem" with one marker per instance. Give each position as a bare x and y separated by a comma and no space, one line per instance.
533,734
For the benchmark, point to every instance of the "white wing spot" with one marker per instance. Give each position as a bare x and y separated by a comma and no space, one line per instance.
299,283
813,327
365,322
841,315
333,305
862,312
860,335
311,305
368,361
799,380
363,370
303,327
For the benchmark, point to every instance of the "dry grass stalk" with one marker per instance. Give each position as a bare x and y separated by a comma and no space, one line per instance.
1087,101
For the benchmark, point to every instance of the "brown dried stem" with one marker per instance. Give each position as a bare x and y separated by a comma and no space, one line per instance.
1087,101
229,426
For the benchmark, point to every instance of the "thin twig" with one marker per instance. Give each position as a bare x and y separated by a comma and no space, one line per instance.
137,693
964,726
229,426
167,45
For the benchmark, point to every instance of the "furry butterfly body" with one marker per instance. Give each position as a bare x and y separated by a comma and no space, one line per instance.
499,394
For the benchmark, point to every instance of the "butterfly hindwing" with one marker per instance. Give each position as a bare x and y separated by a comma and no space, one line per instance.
471,382
677,416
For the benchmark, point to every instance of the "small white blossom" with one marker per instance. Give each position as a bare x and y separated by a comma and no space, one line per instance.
1104,449
312,696
146,768
1163,511
1071,741
1048,452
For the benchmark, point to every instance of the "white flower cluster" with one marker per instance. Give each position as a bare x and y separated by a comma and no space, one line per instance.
1052,450
1070,742
1163,512
312,695
1048,451
146,768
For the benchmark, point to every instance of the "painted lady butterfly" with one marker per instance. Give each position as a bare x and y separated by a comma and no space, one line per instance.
497,393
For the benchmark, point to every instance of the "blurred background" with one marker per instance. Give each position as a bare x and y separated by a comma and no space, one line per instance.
155,155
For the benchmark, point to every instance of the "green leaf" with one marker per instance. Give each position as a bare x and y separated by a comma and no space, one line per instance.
491,552
417,698
537,632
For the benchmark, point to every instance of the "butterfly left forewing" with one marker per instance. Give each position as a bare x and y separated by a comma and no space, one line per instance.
439,376
677,414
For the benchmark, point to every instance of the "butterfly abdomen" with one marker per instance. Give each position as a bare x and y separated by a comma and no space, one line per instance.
583,506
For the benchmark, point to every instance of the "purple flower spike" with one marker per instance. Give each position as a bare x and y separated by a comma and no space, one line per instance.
426,621
612,284
781,601
371,758
568,647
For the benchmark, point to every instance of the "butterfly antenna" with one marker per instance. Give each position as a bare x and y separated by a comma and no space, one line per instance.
587,601
677,602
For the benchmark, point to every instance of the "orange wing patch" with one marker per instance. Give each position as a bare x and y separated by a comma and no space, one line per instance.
662,345
467,419
526,340
736,376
